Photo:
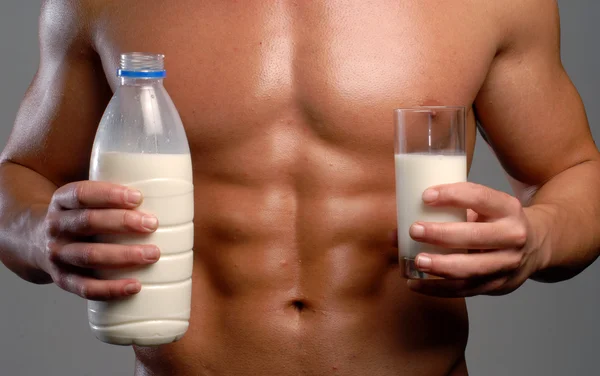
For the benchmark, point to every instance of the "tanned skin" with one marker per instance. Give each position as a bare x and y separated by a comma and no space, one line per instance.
288,109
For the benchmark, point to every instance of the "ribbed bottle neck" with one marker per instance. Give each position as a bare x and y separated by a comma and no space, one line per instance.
138,61
137,65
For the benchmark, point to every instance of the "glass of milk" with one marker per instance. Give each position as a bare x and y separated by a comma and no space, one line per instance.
429,151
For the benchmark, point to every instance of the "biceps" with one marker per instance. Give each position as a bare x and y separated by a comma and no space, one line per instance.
56,123
533,117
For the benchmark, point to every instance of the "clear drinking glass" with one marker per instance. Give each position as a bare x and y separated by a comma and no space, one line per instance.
429,151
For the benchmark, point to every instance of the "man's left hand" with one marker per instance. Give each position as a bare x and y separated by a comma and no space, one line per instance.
504,249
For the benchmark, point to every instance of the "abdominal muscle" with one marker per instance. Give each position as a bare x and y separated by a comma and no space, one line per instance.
295,272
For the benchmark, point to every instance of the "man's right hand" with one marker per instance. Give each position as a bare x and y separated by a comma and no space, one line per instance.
78,212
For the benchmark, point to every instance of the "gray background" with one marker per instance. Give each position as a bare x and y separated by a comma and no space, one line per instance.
537,330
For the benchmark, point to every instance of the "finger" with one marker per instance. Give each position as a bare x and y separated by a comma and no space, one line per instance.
464,266
96,289
104,256
483,200
95,194
471,235
460,288
88,222
472,216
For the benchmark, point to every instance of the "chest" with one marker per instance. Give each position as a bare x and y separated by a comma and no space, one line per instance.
336,69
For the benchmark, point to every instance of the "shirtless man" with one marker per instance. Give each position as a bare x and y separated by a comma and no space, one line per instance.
288,109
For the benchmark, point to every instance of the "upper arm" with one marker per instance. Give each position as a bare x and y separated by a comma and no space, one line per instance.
56,123
531,113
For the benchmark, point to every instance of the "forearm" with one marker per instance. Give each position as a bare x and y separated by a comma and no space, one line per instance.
24,199
565,217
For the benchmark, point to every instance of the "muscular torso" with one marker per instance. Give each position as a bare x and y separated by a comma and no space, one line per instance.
288,110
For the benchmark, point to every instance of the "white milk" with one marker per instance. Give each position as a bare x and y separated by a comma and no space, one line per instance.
414,174
160,312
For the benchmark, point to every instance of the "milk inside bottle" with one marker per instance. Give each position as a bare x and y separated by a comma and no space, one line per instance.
141,143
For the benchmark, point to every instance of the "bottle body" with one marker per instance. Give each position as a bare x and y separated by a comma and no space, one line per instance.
141,144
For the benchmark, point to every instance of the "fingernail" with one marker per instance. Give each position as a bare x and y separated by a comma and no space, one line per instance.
430,195
149,222
423,262
151,254
417,231
133,196
133,288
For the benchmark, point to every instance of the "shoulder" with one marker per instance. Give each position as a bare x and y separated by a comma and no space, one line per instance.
525,24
